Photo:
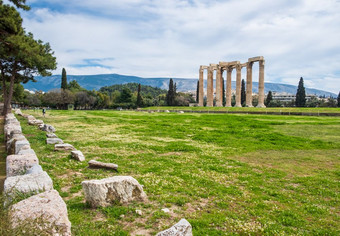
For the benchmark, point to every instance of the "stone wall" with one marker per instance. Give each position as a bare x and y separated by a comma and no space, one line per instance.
41,207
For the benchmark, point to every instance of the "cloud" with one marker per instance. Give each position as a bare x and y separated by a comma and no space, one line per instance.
172,38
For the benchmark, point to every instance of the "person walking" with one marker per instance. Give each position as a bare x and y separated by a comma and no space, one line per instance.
44,111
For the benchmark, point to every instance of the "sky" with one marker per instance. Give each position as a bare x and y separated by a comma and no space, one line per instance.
172,38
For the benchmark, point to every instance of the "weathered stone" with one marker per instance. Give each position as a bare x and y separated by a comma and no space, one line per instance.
10,128
51,135
182,228
26,151
167,111
98,164
48,128
30,117
54,141
18,164
78,155
18,112
106,192
21,145
166,210
46,212
35,122
41,126
28,185
64,147
35,169
181,112
10,145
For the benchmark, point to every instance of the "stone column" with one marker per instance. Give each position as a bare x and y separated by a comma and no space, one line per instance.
218,87
210,87
238,86
228,87
201,88
249,96
261,84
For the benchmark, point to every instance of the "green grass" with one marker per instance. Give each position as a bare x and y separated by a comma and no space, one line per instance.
226,174
253,109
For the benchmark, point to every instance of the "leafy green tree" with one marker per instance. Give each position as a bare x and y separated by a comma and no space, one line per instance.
139,102
243,92
73,86
20,4
300,100
21,56
125,96
338,99
269,98
63,79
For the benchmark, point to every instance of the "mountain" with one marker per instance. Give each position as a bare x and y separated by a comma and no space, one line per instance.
91,82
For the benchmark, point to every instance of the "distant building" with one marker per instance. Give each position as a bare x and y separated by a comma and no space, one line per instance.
287,97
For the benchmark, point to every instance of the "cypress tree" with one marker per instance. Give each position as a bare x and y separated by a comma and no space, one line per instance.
338,99
197,91
139,97
170,97
269,98
175,89
63,79
243,92
300,95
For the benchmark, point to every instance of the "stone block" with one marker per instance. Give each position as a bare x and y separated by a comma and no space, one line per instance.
18,112
35,122
30,117
48,128
46,212
10,145
106,192
78,155
64,147
51,135
54,141
21,145
27,185
18,164
182,228
26,151
35,169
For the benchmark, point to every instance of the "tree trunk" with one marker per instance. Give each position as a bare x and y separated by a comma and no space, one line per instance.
8,97
4,90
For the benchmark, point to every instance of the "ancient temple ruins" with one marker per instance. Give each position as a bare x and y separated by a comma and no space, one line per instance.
229,67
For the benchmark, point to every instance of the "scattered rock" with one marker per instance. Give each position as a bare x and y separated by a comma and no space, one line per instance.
166,210
35,169
18,164
46,212
18,112
48,128
139,212
51,135
28,184
30,117
106,192
10,145
78,155
35,122
181,112
98,164
54,141
167,111
64,147
182,228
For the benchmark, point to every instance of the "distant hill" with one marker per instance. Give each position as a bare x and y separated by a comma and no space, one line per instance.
91,82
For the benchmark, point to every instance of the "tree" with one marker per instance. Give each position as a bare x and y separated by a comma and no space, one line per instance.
197,91
243,92
338,99
139,102
20,4
125,96
170,97
269,98
63,79
300,100
21,56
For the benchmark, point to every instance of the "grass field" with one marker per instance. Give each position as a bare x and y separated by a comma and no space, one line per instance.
253,109
225,173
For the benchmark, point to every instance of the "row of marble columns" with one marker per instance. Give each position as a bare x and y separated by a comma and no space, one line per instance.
229,67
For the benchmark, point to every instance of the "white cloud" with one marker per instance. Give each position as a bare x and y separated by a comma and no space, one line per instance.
172,38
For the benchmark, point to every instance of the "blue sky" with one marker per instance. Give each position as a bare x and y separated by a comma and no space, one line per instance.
172,38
